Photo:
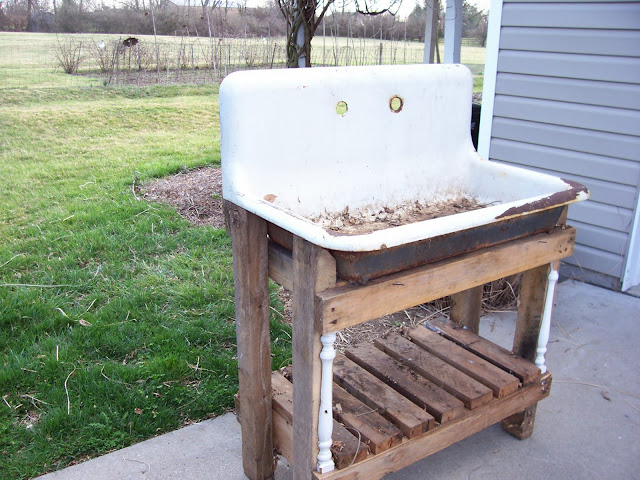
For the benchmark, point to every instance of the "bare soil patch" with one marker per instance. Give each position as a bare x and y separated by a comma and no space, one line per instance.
196,194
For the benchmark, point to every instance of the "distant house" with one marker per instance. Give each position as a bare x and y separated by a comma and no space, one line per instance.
562,95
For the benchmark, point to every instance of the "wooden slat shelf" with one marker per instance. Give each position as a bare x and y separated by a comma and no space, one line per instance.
405,398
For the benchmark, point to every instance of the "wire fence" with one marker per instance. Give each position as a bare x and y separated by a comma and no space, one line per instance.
113,60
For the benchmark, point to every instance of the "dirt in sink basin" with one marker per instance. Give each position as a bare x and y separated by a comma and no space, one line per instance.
367,220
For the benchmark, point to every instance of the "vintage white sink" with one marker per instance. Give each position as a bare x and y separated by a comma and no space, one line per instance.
292,154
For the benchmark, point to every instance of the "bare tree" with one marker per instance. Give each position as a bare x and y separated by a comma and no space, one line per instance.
304,16
29,15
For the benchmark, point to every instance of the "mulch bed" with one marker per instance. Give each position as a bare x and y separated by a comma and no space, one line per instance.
196,194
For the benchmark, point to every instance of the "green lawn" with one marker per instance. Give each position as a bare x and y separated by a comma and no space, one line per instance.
117,316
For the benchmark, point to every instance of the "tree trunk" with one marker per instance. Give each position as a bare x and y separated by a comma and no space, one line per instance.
299,34
30,16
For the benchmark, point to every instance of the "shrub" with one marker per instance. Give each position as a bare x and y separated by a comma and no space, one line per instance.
68,54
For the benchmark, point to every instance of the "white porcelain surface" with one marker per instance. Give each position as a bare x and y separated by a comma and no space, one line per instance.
288,156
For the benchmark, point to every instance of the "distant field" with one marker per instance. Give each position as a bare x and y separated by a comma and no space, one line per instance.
29,60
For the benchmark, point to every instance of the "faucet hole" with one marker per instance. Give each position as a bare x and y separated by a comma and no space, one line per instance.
341,108
396,103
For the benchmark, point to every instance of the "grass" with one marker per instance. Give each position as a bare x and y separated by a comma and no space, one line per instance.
117,315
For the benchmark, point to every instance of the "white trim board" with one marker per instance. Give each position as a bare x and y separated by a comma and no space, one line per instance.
631,275
490,76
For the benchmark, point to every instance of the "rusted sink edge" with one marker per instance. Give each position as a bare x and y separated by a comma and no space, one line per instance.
559,198
361,267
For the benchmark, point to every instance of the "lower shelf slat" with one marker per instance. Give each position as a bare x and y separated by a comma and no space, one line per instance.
471,392
442,405
385,396
376,431
526,371
346,448
406,415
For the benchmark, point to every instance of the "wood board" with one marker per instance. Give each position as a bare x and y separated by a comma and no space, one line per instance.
382,408
346,449
471,392
347,305
524,370
435,400
499,381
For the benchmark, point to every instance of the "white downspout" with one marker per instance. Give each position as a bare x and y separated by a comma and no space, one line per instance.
490,77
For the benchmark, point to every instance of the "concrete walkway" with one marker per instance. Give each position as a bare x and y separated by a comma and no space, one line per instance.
588,428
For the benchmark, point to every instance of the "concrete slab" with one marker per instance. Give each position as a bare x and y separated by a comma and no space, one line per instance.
635,291
587,428
206,450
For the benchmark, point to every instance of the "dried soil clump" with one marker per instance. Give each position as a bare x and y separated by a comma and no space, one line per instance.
367,220
196,194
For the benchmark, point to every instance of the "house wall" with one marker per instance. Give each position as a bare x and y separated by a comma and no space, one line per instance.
566,78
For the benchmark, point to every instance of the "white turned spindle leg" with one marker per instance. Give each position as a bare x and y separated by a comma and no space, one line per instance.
545,326
325,422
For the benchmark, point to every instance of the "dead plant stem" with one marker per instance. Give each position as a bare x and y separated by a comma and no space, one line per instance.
66,390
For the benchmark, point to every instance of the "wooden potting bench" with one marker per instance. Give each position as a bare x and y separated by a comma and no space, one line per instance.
404,398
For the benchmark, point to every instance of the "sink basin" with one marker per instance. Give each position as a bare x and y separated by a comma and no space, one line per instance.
304,148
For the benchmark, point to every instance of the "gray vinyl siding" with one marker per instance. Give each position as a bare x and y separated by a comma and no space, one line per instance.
567,102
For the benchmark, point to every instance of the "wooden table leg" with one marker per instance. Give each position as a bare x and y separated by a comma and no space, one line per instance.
249,242
532,297
310,266
466,308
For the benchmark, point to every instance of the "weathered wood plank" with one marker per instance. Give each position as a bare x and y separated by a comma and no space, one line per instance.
377,432
500,382
280,236
281,265
249,244
282,436
348,305
407,416
532,296
307,367
442,405
466,308
282,396
377,466
281,268
326,275
526,371
469,391
346,445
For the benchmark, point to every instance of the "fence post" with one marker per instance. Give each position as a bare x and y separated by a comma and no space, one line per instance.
380,57
193,67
